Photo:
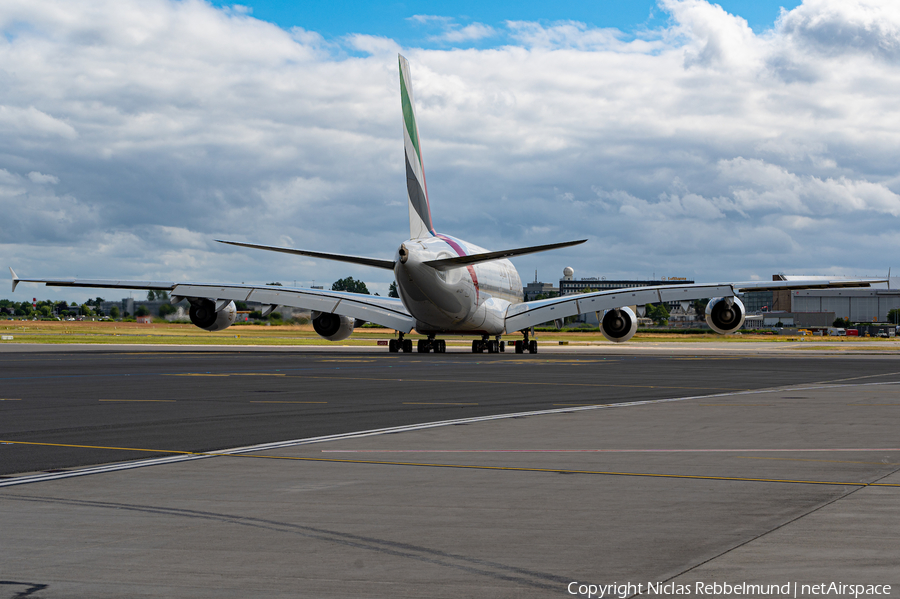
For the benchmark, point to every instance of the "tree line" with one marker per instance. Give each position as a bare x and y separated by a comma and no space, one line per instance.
48,308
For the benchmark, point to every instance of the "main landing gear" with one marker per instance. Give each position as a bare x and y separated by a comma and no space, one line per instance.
526,345
438,346
400,344
479,346
486,344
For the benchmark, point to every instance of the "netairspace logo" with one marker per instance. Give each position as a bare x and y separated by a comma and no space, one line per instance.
722,589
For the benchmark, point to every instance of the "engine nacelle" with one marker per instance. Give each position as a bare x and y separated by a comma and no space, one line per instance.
333,326
618,325
204,315
725,314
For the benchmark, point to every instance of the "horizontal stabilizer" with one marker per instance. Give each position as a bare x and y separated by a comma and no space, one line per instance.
389,265
461,261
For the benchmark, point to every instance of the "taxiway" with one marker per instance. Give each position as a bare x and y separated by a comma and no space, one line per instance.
617,468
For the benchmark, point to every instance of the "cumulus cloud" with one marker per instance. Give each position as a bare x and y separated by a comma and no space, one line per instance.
373,44
567,34
833,28
758,186
451,31
713,36
37,177
136,132
34,213
30,121
471,32
428,19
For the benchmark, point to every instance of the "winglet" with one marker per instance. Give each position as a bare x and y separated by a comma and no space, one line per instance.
15,279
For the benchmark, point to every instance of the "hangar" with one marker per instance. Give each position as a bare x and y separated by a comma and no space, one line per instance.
870,304
859,305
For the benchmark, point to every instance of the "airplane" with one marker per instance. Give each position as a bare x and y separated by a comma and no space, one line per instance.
447,286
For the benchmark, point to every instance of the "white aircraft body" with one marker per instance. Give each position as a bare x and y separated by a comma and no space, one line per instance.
447,286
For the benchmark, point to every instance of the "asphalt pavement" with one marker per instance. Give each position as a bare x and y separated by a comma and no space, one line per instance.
202,399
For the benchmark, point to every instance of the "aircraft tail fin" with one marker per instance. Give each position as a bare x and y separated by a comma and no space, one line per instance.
419,210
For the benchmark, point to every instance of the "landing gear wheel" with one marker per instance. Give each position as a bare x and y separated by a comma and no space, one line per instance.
477,346
407,346
526,345
442,346
393,346
502,346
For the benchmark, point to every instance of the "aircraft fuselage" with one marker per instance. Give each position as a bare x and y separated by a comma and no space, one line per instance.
468,299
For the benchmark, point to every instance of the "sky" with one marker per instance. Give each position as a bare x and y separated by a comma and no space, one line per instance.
718,142
403,22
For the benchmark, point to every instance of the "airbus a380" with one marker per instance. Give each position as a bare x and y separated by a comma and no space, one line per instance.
447,286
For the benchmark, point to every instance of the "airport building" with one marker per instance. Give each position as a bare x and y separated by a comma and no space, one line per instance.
859,305
864,304
760,301
536,288
799,320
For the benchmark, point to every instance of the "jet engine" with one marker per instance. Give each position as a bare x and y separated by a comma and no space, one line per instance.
725,314
618,325
333,326
204,314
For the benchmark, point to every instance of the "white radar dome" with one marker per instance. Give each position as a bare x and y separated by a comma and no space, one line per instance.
568,272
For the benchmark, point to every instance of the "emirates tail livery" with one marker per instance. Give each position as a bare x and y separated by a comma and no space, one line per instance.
447,286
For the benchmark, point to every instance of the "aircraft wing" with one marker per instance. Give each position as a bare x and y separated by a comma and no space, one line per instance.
529,314
386,311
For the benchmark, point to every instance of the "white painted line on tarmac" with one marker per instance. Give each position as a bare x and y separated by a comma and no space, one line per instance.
119,466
